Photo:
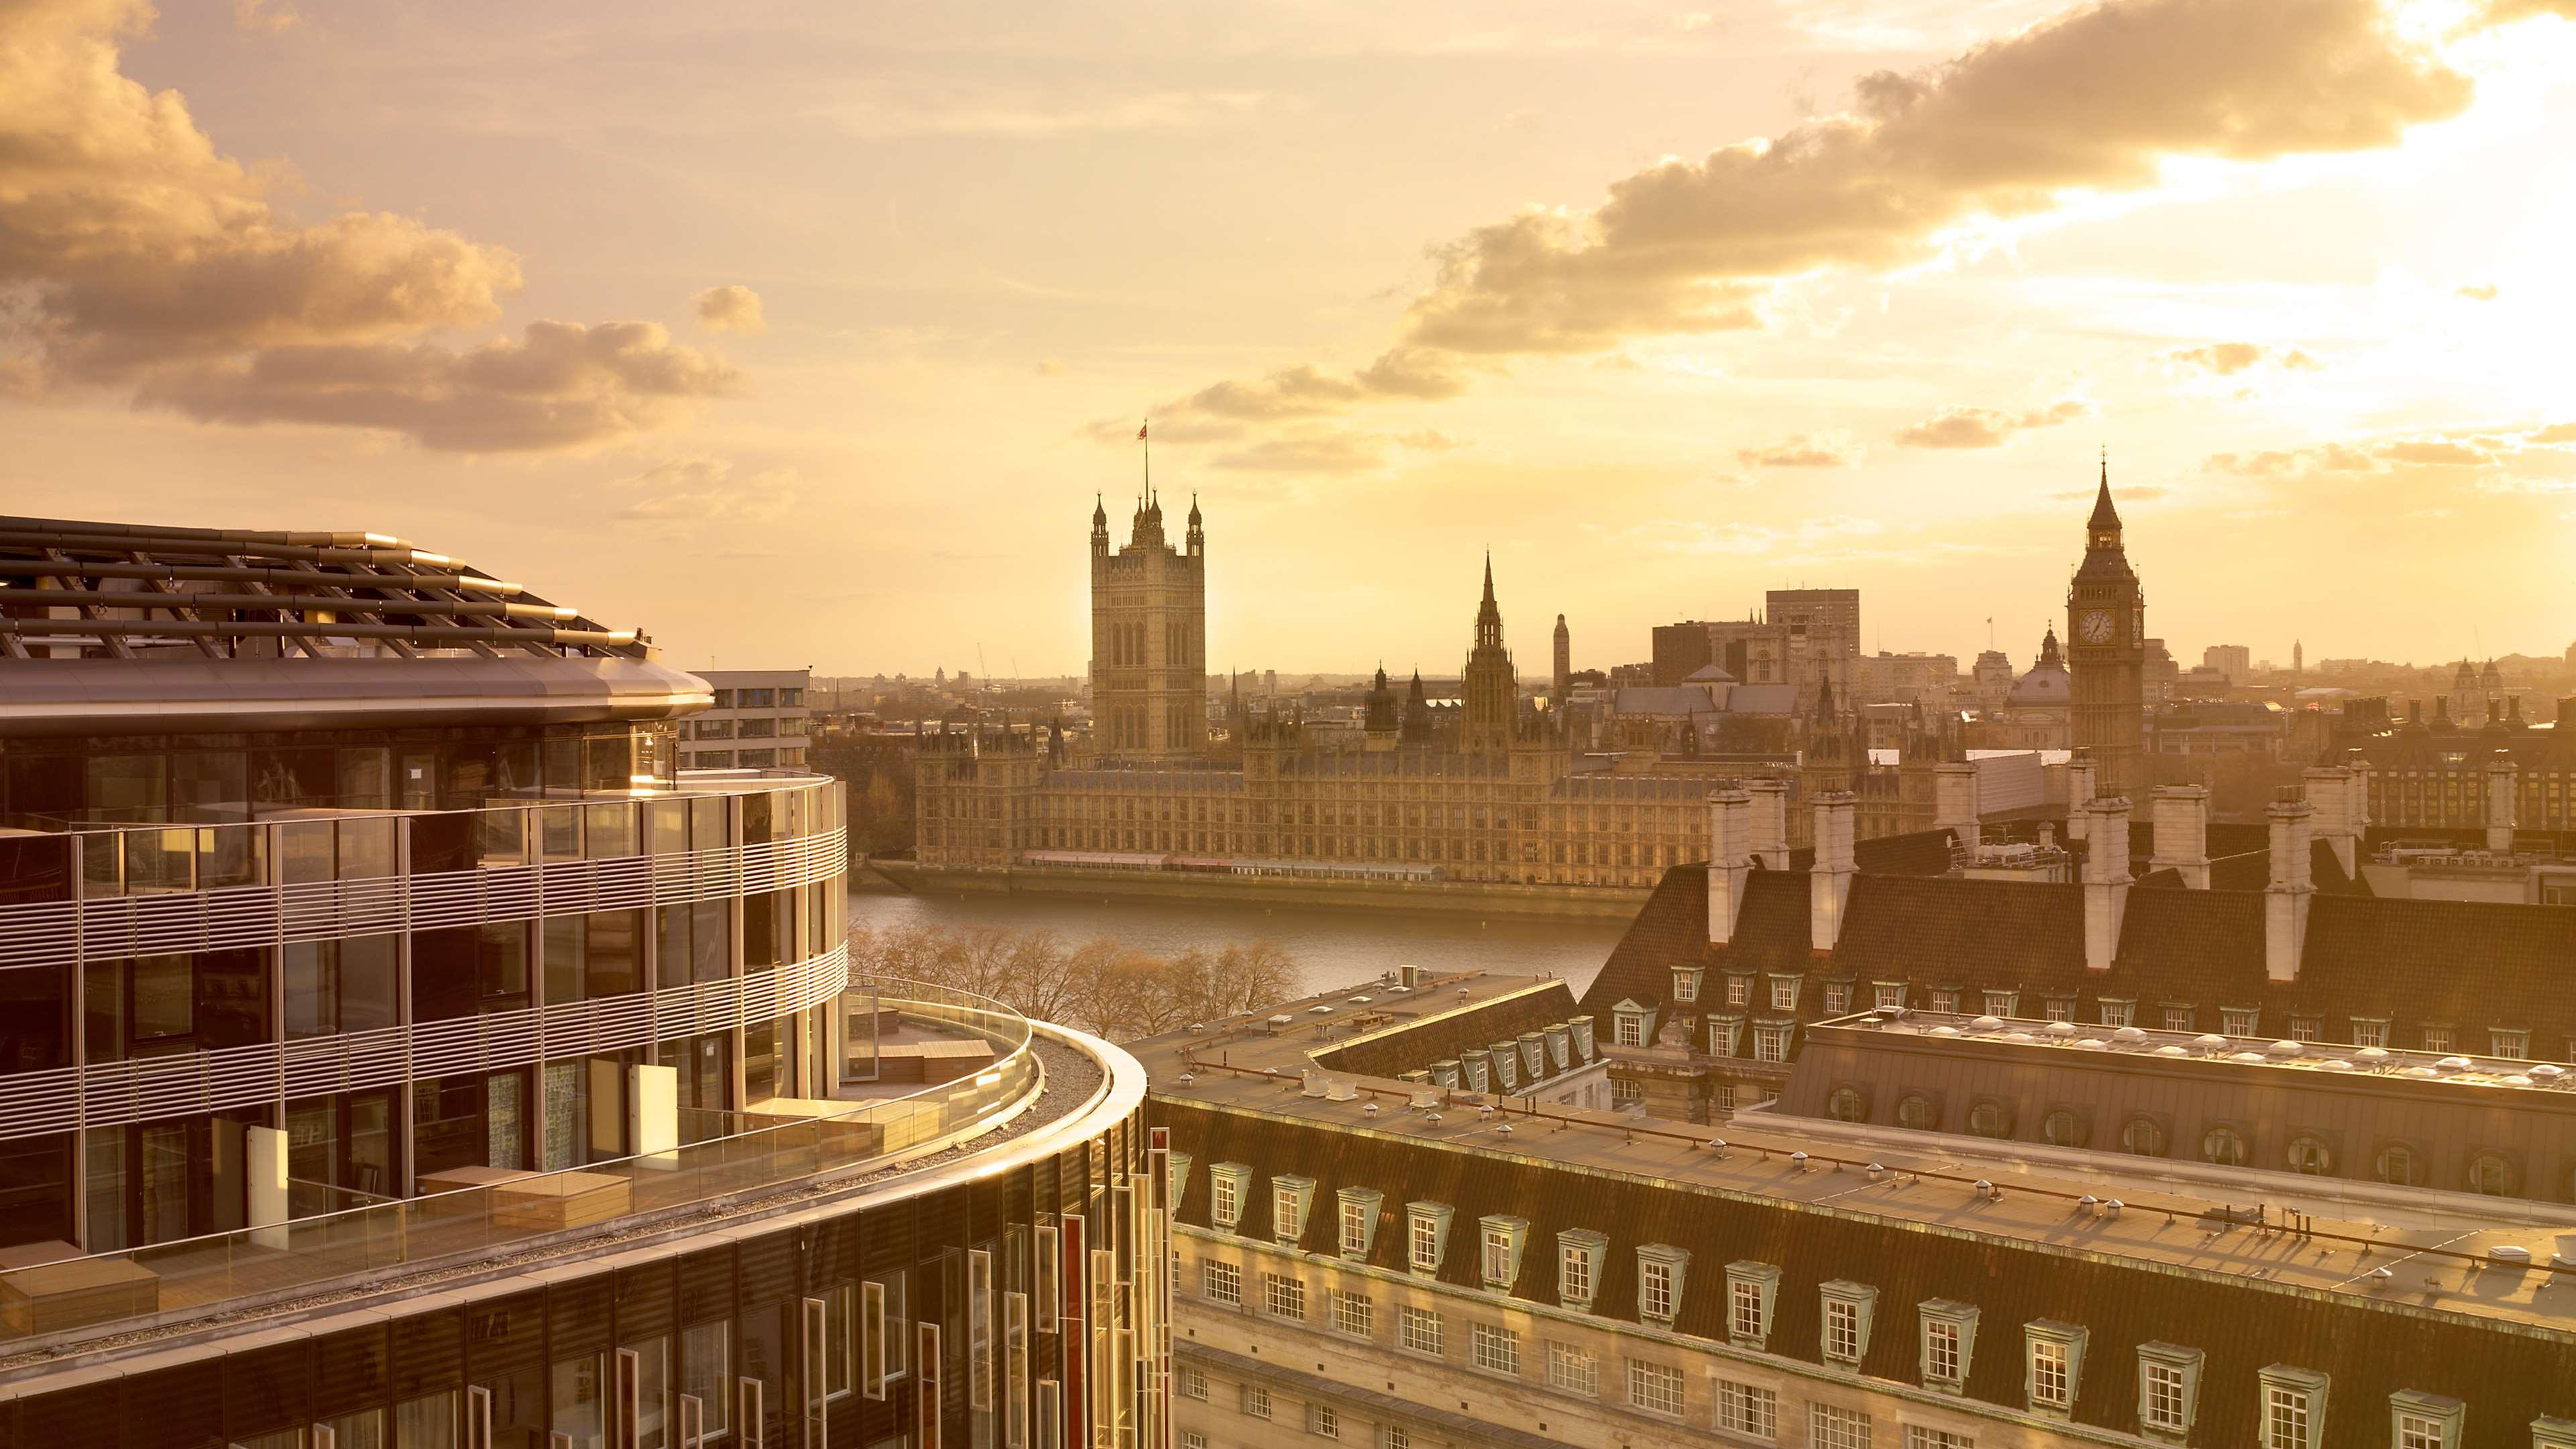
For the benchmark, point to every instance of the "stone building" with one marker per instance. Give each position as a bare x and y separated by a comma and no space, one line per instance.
2106,631
1149,637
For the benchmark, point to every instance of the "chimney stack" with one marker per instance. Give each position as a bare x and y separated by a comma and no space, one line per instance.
1770,822
2504,798
2106,878
2285,903
1730,860
2182,832
1954,802
1829,882
2079,792
2329,790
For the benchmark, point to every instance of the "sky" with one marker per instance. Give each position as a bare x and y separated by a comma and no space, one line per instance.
806,334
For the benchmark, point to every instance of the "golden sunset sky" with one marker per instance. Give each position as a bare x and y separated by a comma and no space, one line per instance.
806,333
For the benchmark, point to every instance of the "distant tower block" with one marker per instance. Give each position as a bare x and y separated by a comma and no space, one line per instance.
1564,679
1149,637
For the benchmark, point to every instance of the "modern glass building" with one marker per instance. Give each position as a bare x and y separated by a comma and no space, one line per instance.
367,965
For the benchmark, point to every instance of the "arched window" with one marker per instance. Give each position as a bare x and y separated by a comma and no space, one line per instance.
2494,1174
2309,1154
2224,1146
2143,1137
2401,1164
2063,1128
1917,1112
1989,1119
1846,1105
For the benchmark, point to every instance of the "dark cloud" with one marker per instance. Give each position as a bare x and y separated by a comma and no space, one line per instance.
147,260
1800,452
1969,427
561,386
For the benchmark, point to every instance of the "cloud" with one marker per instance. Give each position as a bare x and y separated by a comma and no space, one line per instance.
1309,452
2440,452
1050,367
730,309
2293,462
1430,440
1223,410
689,491
2226,359
1969,427
915,108
2555,433
146,261
561,385
2477,292
262,16
1801,451
2092,100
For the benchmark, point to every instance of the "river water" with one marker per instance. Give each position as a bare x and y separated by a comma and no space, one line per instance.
1332,948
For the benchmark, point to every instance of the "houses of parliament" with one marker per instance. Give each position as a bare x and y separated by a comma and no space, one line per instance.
1489,789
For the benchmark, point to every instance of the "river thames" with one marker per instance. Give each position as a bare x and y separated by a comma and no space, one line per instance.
1332,948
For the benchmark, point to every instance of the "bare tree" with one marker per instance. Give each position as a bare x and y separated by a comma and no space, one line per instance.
1102,985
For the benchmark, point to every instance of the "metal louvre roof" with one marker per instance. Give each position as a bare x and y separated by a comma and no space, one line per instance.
132,591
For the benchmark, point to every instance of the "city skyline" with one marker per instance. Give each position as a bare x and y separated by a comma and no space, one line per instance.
863,315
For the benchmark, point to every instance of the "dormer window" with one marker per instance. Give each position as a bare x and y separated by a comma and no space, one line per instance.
1784,993
1685,983
1632,1025
1837,997
2168,1390
2058,1008
1660,1268
2003,1003
1890,994
1289,1199
2511,1045
2293,1407
1227,1184
1359,1221
1949,1343
2426,1421
1750,1289
1500,1260
1771,1041
1725,1035
2370,1031
1578,1267
2307,1028
2239,1020
1847,1313
1426,1236
1739,991
2053,1371
2113,1012
1945,999
1180,1176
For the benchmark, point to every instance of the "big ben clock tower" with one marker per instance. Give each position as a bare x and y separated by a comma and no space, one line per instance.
2106,654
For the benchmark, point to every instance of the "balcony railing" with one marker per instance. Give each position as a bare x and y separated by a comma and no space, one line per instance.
83,1298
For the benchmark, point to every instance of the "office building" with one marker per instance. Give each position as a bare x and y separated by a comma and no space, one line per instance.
758,721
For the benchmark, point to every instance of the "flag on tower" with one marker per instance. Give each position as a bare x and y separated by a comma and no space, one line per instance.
1140,432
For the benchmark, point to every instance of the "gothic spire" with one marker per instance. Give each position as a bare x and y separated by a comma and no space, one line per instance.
2104,515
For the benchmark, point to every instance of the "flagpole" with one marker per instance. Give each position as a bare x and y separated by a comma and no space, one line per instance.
1142,436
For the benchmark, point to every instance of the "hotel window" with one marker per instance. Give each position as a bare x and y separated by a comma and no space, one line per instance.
1283,1296
1847,1314
1771,1041
1748,1410
1193,1381
1833,1427
1918,1437
1890,995
1220,1282
1750,1288
1837,997
1359,1221
1426,1235
1494,1349
2514,1045
1659,1282
2370,1031
2177,1017
1419,1330
1324,1421
2116,1013
2425,1421
1355,1315
2168,1389
1500,1261
1573,1370
2054,1369
2003,1003
1949,1338
1578,1267
2294,1407
2238,1020
1686,983
1226,1184
1256,1400
1784,993
1654,1387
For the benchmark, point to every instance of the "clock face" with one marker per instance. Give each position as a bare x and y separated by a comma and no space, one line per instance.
2097,626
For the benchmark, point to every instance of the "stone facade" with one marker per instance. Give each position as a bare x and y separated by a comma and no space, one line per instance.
1149,638
2106,632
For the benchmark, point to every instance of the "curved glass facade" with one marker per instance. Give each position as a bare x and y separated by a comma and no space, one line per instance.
387,966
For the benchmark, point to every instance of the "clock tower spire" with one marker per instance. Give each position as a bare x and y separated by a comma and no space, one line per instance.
2106,655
